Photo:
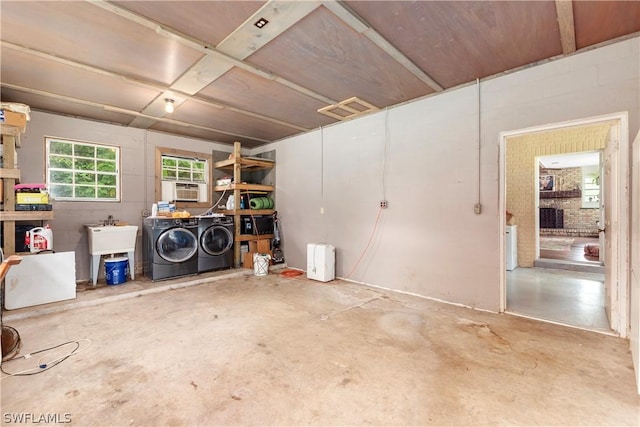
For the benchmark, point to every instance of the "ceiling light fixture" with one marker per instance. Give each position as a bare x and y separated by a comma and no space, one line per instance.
261,23
168,105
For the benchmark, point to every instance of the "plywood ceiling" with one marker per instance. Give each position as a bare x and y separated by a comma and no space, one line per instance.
233,81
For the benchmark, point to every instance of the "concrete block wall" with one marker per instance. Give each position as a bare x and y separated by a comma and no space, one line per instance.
521,185
138,148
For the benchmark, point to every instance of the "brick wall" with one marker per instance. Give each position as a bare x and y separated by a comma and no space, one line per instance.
521,153
577,221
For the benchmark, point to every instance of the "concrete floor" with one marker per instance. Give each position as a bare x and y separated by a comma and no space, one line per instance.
568,297
270,350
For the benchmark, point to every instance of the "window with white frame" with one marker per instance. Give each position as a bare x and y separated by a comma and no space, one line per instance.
184,169
591,187
82,171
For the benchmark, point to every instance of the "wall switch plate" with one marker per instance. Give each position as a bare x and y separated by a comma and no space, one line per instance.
477,209
384,204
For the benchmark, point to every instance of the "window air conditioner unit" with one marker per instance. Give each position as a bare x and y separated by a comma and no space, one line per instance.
184,191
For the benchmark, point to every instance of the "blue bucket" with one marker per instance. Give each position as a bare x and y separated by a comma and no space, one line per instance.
116,270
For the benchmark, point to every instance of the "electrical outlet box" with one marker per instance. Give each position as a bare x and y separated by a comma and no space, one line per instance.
384,204
477,209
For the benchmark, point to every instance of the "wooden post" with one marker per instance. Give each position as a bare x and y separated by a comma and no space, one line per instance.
237,179
9,196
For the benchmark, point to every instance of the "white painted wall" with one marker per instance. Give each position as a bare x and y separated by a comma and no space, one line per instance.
429,241
138,170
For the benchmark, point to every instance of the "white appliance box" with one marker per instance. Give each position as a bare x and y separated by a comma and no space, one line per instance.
321,262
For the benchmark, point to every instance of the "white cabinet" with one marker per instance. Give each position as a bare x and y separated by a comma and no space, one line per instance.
511,247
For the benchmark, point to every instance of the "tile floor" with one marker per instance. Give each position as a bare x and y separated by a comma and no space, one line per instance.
567,297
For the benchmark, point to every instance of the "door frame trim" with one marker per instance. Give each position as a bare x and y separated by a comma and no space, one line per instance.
620,290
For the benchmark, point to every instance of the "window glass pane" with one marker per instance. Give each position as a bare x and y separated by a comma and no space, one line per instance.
85,192
104,179
84,164
59,147
198,176
59,177
106,192
169,175
105,166
184,176
85,151
58,191
85,178
60,162
168,162
82,171
106,153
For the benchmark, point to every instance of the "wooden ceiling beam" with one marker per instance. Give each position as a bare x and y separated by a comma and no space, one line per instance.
361,26
564,10
125,111
210,51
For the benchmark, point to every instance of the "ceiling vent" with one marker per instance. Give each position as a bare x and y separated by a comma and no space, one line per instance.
348,109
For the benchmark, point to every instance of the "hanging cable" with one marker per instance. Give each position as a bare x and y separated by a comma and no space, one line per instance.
373,233
479,139
384,152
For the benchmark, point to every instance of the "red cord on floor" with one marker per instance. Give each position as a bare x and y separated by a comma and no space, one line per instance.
291,273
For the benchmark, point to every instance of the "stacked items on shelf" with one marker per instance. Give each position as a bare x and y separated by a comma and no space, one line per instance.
32,197
13,121
251,219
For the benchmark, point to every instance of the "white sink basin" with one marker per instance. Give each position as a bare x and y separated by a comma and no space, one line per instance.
110,239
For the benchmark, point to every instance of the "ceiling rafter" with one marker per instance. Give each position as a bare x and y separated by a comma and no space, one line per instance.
245,40
352,19
121,110
205,48
564,9
146,84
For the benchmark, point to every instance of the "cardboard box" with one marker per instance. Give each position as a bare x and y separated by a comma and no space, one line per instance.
260,246
247,261
32,198
256,246
10,118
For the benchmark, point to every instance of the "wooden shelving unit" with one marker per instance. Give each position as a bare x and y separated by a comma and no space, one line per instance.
237,165
9,175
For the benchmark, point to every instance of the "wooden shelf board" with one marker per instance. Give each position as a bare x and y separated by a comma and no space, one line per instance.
11,131
245,164
248,212
248,237
6,173
247,187
25,215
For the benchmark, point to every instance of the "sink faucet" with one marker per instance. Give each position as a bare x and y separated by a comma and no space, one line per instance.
109,220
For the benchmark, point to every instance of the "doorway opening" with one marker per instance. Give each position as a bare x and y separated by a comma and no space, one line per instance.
556,215
570,211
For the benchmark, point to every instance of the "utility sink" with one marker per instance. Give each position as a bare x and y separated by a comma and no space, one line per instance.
109,239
